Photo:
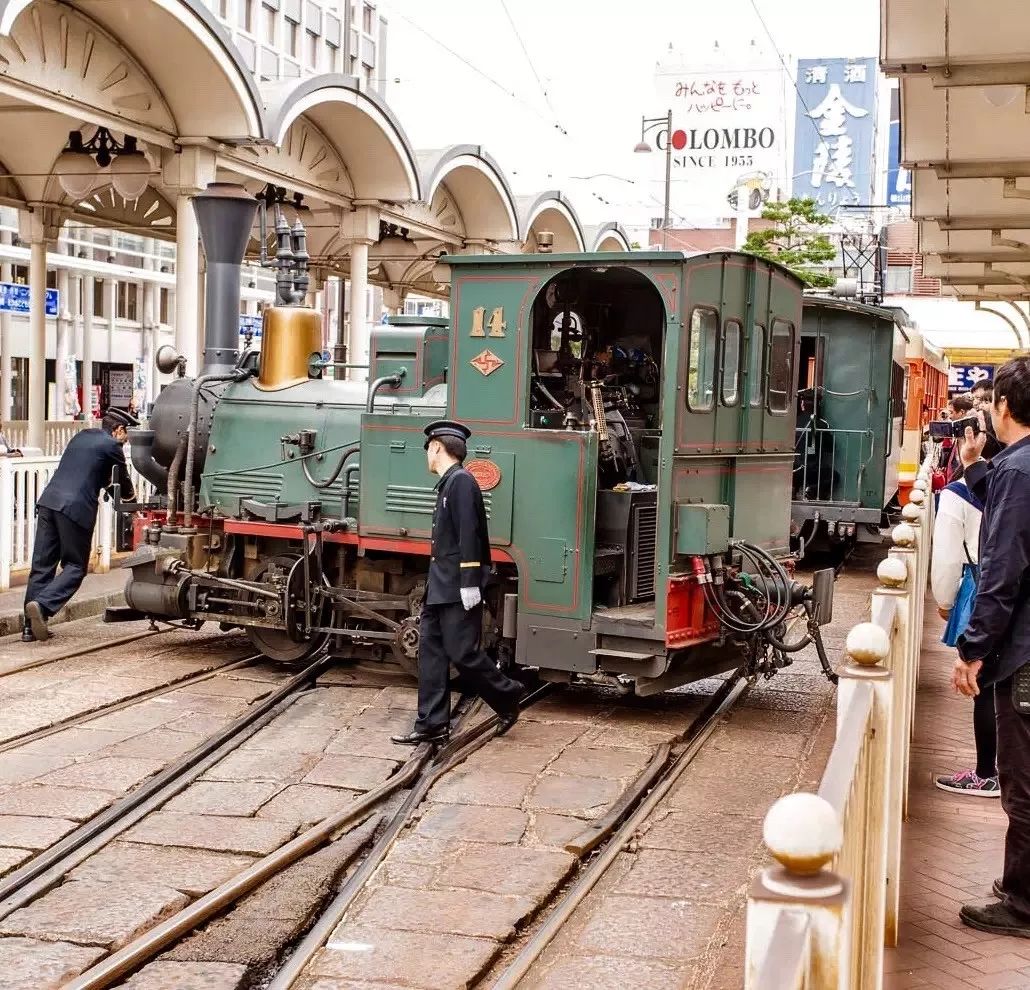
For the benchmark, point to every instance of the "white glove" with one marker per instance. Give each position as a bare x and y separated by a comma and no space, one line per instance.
470,597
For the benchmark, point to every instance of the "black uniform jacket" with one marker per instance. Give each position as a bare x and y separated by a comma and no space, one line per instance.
999,628
85,470
461,544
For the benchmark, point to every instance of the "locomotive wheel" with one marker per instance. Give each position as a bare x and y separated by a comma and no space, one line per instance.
289,645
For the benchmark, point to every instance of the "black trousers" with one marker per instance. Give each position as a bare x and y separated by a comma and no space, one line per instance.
448,634
1014,777
985,732
58,541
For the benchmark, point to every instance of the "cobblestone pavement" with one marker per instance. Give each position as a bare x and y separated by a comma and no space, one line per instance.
952,851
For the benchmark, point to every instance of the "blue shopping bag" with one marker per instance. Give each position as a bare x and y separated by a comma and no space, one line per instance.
962,610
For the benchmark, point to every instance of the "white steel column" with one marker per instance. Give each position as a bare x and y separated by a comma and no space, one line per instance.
149,328
37,343
64,345
357,345
6,343
87,346
187,278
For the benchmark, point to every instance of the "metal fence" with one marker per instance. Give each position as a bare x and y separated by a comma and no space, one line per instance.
821,917
830,465
22,480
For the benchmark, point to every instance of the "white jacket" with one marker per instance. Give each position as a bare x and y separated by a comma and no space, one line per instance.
956,521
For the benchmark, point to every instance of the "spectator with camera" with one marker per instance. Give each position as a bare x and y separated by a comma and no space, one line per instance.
995,647
982,394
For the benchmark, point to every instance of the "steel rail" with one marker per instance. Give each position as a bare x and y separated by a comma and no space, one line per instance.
82,651
727,695
123,962
44,871
127,702
449,757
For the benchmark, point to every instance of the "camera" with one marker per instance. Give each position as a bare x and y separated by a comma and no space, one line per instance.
944,429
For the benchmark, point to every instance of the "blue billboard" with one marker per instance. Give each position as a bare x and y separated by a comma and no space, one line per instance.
834,132
899,180
962,377
251,323
14,298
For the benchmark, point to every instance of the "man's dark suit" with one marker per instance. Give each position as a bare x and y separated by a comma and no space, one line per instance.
66,514
448,633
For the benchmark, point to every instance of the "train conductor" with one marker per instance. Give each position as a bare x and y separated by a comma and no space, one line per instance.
451,625
66,514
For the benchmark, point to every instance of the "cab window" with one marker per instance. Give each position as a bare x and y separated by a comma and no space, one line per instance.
731,335
704,333
781,361
757,353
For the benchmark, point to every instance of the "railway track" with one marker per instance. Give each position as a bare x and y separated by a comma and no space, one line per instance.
83,651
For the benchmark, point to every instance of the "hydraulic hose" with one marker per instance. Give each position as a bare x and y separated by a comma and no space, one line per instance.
345,503
315,482
191,434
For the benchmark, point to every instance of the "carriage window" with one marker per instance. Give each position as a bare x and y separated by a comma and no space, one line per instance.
704,331
781,359
757,352
731,363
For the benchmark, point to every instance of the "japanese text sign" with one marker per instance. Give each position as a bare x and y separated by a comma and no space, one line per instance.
899,180
14,298
834,132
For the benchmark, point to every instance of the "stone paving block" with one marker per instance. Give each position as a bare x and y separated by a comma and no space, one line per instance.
739,793
571,794
649,927
607,973
159,744
226,686
54,802
546,735
553,830
483,787
695,831
400,698
192,871
714,875
568,706
369,735
508,869
162,975
77,742
291,738
452,821
447,912
359,773
116,773
772,720
208,704
19,767
197,724
497,755
737,739
222,834
146,715
431,962
224,797
27,832
262,765
10,858
306,804
415,861
28,964
89,912
611,762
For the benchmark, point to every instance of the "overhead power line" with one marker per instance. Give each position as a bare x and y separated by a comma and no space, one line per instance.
532,67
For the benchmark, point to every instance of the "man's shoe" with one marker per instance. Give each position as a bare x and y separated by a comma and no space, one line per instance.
998,890
506,720
26,633
996,919
418,736
37,621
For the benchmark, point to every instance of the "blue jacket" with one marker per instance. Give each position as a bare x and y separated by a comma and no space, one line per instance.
86,469
999,628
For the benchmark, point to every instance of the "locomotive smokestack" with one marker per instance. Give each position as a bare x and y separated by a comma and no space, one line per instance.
225,213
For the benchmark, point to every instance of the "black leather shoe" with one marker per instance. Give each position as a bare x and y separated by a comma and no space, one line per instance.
996,919
27,635
506,721
416,737
997,890
37,621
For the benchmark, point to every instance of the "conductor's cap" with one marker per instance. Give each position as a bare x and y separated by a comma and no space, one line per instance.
445,428
121,417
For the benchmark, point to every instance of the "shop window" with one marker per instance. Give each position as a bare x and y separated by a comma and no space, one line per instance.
755,359
781,365
368,18
98,299
127,301
164,306
292,38
704,333
731,363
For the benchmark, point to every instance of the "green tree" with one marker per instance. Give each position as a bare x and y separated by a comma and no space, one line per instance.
796,241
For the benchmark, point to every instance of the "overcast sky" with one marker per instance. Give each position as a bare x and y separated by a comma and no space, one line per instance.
556,88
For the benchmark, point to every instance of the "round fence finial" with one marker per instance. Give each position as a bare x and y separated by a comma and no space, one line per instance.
919,485
911,512
903,535
867,644
892,572
917,496
802,833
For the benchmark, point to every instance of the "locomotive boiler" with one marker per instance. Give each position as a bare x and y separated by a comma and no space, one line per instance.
632,422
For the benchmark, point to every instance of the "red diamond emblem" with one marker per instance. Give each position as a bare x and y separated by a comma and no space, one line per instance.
486,362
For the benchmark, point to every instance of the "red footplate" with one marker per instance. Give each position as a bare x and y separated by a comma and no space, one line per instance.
688,619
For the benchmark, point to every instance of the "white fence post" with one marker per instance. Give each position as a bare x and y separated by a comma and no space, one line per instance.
104,536
6,522
802,833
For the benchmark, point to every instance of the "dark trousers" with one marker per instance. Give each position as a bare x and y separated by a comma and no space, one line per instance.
448,634
58,541
985,732
1014,777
